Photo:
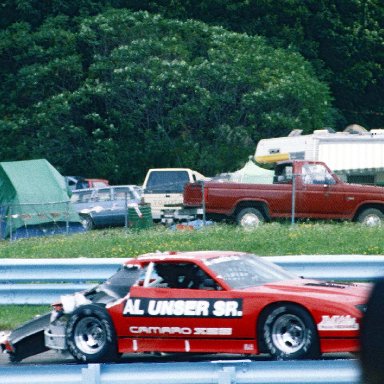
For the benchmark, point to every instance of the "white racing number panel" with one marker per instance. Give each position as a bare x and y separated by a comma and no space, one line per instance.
225,308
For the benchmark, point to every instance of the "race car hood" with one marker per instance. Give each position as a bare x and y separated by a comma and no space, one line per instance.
353,292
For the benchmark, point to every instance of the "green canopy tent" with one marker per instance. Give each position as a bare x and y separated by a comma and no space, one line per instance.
251,173
34,200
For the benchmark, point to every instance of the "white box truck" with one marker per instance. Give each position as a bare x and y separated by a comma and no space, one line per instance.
356,155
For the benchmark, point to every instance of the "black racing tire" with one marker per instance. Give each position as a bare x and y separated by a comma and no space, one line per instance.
371,217
87,222
250,218
90,335
287,332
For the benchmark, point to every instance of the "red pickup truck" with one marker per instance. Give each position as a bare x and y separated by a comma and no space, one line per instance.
307,189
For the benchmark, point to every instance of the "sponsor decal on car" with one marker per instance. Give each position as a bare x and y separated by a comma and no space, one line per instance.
180,331
338,323
249,347
227,308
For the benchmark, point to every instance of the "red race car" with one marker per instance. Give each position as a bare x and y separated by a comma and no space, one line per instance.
199,302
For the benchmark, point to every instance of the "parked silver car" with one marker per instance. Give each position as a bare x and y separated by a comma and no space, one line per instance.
107,206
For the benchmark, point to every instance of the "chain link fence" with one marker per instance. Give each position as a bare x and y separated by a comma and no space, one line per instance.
37,219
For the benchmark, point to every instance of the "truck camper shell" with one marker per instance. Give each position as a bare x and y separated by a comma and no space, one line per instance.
356,155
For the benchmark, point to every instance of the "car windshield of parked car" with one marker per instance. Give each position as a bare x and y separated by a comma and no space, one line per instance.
126,193
244,271
82,197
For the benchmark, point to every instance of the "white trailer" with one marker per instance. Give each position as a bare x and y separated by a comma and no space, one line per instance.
356,155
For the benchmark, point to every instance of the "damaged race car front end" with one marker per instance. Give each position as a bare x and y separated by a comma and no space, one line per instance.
26,340
54,334
49,331
5,345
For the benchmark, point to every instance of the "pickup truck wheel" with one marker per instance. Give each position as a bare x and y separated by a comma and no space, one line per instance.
371,217
250,218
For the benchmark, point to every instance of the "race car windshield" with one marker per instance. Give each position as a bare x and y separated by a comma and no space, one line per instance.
122,280
244,271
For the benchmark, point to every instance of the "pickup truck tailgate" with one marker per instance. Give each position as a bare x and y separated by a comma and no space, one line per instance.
193,195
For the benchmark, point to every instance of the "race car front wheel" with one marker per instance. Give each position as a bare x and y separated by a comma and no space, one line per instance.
90,335
288,332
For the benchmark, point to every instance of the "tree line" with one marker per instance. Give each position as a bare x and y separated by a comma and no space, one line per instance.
112,88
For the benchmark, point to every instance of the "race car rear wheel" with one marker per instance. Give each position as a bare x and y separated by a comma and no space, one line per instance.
91,336
288,332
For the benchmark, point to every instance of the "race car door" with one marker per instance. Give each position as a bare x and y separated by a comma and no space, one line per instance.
179,308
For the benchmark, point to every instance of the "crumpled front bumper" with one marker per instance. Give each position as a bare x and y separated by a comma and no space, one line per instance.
26,340
54,336
5,345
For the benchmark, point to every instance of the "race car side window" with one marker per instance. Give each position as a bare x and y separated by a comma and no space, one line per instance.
178,276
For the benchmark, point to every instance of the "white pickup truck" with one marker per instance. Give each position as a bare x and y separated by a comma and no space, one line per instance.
163,190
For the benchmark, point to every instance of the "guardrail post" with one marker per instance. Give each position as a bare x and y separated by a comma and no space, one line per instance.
227,376
91,374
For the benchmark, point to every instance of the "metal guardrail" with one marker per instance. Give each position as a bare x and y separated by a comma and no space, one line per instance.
215,372
42,281
334,267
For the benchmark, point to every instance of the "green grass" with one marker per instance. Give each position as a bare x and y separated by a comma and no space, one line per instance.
270,239
13,315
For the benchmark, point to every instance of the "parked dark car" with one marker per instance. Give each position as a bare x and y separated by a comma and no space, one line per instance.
107,206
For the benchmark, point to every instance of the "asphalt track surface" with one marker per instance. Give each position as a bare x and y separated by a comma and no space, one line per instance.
52,357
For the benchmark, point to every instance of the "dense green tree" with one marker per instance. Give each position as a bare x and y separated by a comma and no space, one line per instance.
35,12
343,39
128,91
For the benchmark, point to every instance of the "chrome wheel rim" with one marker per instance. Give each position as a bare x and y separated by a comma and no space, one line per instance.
250,220
89,335
86,222
372,221
289,333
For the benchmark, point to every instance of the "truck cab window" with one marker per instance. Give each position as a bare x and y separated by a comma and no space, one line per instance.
167,182
283,174
316,174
